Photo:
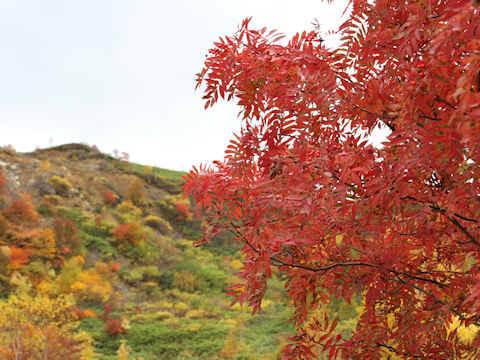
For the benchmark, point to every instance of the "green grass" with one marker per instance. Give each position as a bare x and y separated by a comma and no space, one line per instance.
166,174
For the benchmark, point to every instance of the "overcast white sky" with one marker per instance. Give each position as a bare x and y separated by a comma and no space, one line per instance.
120,74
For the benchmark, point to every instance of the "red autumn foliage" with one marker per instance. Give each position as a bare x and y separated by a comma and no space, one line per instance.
2,180
107,309
114,266
20,211
303,190
110,198
130,233
114,328
183,211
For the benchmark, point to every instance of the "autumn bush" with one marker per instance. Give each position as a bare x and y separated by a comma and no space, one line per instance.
129,234
176,206
158,223
61,185
21,211
184,280
53,199
18,257
91,285
41,327
114,328
143,273
110,198
183,211
145,318
46,208
127,211
135,192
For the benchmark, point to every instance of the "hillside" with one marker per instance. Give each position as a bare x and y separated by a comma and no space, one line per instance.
107,245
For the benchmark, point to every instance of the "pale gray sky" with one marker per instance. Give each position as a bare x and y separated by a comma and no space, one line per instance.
120,74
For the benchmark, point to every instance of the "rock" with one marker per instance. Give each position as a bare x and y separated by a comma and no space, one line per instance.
57,173
34,164
45,188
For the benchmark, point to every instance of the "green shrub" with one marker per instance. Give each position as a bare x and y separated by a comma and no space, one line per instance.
102,228
45,208
143,273
95,242
165,278
163,342
72,214
104,343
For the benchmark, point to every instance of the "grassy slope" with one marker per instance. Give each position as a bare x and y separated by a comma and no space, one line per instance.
170,293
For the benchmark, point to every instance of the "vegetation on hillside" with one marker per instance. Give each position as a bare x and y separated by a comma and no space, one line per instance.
98,262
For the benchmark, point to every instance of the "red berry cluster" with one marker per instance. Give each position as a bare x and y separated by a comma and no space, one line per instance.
313,153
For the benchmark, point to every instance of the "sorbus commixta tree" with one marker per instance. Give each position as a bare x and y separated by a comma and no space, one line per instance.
305,191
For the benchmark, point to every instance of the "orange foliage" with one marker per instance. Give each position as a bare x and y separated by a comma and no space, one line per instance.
94,284
114,266
110,198
130,233
135,192
18,257
21,210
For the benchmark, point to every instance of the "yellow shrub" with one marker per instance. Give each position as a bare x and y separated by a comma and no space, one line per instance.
184,280
124,350
196,314
43,243
44,287
34,325
128,212
162,225
54,199
92,284
45,166
193,327
166,305
61,185
236,264
159,315
181,308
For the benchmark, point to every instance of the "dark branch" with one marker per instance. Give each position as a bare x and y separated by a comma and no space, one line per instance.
390,126
436,299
